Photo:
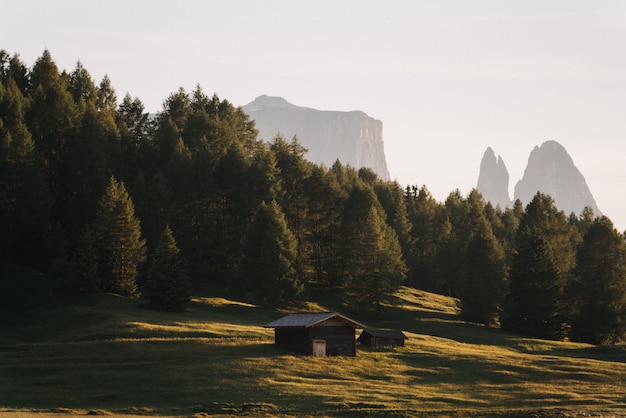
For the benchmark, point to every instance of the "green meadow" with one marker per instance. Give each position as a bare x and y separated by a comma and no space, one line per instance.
105,355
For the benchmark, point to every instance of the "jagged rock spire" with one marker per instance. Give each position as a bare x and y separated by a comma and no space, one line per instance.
493,180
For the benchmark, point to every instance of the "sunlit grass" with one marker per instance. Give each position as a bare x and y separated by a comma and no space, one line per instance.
418,300
107,354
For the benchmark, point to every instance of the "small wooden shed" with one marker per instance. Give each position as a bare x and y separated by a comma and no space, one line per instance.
309,333
375,337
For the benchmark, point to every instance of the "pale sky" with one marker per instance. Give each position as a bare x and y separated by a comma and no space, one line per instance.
448,78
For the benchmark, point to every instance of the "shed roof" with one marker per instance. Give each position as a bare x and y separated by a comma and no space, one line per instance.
307,320
386,333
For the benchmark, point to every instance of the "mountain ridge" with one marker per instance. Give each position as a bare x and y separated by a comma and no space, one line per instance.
352,137
550,170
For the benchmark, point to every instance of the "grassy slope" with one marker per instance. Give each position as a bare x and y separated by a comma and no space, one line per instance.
103,353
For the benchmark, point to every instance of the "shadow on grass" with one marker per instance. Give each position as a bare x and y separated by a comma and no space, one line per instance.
119,374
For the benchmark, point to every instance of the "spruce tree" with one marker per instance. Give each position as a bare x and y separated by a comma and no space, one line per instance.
483,294
376,267
267,271
294,172
118,240
167,284
535,303
25,199
52,117
429,230
87,172
325,199
601,285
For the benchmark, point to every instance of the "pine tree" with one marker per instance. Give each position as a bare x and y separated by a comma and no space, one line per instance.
450,269
81,86
601,285
25,199
545,257
429,229
52,118
535,304
325,199
167,284
267,272
118,240
87,172
233,213
542,216
484,291
376,267
392,200
294,172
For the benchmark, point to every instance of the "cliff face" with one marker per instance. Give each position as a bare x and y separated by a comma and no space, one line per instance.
551,170
352,137
493,180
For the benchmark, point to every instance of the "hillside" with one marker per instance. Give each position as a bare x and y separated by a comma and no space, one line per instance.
105,355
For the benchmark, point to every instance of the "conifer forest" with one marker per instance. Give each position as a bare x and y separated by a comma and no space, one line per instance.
97,195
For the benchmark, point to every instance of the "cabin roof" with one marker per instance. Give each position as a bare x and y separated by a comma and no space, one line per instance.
385,333
307,320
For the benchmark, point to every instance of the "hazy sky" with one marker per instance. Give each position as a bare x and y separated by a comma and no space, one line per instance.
448,78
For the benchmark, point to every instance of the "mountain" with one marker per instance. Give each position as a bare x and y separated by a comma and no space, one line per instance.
352,137
493,181
551,170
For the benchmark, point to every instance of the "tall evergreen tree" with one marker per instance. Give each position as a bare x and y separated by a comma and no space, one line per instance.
167,283
232,212
87,172
483,295
52,118
294,172
118,240
12,68
429,230
510,219
325,202
25,199
81,86
542,216
535,304
601,285
376,268
267,271
393,202
549,274
106,99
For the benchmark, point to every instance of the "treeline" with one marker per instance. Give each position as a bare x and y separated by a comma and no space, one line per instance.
105,197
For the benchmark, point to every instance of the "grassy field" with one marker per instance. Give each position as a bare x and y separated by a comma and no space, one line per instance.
104,355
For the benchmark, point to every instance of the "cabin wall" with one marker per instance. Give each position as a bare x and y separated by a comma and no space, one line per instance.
293,339
339,340
373,341
387,342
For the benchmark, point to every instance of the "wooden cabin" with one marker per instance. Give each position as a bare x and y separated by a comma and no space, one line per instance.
320,334
382,337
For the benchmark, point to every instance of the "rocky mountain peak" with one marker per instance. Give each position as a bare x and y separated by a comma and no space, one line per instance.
493,180
353,138
266,101
551,170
